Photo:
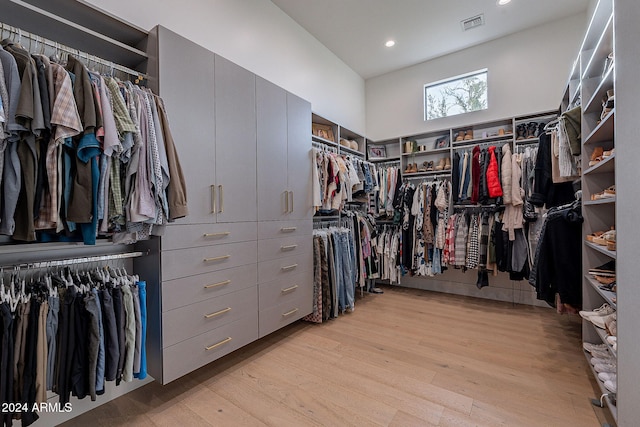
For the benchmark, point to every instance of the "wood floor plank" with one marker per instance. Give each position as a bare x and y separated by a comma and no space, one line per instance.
219,411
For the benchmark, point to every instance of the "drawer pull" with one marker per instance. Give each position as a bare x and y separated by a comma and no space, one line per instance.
221,193
289,313
292,288
291,201
215,285
217,313
288,247
218,258
289,267
288,229
213,199
221,234
286,201
223,342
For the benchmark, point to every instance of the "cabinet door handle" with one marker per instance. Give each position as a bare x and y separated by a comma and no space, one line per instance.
217,313
224,233
286,201
224,341
215,285
289,267
288,247
289,313
292,288
291,192
218,258
221,191
213,198
288,229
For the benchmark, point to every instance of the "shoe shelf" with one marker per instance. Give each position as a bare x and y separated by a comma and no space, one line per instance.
324,141
446,172
607,295
351,151
603,336
603,131
606,201
527,141
434,151
604,166
597,56
488,139
385,159
601,249
608,397
594,104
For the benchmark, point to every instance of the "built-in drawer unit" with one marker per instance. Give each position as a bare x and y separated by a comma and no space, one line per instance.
187,262
189,236
283,247
283,314
191,354
195,319
283,268
188,290
280,291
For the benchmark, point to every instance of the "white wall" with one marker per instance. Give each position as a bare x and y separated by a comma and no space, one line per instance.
527,74
258,36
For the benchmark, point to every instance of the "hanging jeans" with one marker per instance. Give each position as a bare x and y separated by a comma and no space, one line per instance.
344,256
142,292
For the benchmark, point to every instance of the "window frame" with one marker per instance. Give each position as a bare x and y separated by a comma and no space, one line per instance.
483,71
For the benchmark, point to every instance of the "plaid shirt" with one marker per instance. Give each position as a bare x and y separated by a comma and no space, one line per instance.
123,120
67,123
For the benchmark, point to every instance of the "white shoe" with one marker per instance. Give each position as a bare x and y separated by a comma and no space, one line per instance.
604,310
606,367
601,354
606,376
591,347
612,339
601,321
597,360
611,385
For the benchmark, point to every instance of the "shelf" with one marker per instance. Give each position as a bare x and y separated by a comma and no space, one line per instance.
324,141
435,151
80,26
385,159
475,141
607,295
603,336
603,48
351,151
527,141
603,390
606,201
604,131
427,173
601,249
594,104
604,166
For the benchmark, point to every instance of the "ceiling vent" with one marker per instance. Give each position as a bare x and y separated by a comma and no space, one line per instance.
473,22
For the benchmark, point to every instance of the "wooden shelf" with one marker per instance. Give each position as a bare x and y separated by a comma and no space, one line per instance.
324,141
605,201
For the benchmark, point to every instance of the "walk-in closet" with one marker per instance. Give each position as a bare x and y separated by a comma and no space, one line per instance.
318,213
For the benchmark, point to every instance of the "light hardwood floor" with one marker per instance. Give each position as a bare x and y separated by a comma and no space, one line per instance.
404,358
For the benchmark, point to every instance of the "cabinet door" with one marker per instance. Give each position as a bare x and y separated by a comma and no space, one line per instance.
235,105
271,103
299,157
188,94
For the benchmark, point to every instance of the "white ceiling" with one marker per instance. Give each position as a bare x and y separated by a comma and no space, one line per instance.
356,30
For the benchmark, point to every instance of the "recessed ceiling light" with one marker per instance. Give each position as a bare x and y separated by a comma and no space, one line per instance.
390,43
503,2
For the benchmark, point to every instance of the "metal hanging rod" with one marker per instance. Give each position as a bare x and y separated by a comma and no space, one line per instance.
324,147
82,56
79,260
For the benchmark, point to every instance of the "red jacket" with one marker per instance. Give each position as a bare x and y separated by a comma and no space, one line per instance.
493,175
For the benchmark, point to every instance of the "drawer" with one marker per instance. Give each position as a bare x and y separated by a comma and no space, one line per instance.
272,229
188,262
299,286
189,355
283,314
189,236
283,268
188,290
195,319
284,246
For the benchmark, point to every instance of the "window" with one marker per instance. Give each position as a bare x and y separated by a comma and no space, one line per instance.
458,95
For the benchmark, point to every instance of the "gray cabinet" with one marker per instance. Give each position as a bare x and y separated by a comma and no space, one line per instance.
284,154
234,132
235,104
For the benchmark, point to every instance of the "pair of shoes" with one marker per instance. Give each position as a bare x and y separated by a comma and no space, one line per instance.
428,166
606,269
443,164
605,194
602,321
606,238
610,367
411,168
607,104
611,325
589,347
604,310
596,156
